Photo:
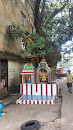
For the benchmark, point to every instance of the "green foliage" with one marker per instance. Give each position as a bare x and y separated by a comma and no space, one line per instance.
27,32
37,45
59,29
34,43
63,30
16,30
41,46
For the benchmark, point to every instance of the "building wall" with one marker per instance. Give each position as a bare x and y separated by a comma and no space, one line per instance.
10,48
10,11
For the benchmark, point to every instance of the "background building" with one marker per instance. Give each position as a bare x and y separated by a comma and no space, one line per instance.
11,59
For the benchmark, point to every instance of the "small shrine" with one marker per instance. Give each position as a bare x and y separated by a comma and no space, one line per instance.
28,73
41,92
43,72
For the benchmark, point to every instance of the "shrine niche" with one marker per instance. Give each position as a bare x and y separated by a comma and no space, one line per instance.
28,73
43,73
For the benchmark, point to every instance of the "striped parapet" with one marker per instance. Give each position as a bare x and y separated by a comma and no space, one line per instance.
39,89
38,93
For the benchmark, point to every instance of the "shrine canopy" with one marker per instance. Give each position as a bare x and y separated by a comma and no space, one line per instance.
43,65
28,69
43,72
28,73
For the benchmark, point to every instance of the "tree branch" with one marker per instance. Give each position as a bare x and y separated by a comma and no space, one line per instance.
56,12
42,11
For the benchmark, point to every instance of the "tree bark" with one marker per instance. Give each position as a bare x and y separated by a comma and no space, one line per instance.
38,16
42,12
36,12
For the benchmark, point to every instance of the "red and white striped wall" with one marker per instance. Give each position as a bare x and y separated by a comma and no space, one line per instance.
39,89
35,101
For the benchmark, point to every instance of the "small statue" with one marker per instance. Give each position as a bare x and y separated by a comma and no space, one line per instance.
29,81
43,77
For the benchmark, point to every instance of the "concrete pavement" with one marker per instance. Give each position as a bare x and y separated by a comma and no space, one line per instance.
47,114
15,115
12,98
67,106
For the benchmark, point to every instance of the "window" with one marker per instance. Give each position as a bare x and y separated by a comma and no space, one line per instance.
31,29
23,45
23,19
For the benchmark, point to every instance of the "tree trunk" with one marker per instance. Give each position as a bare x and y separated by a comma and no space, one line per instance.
38,16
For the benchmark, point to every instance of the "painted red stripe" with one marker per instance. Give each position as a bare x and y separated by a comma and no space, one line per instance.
26,89
22,89
36,87
37,102
41,89
50,102
26,72
57,89
30,102
51,90
33,102
41,102
26,102
46,89
45,102
31,89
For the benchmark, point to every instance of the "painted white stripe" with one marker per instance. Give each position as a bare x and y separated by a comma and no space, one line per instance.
49,89
52,102
54,89
29,89
48,102
24,89
39,101
35,101
44,102
33,89
17,101
23,101
20,89
31,101
20,102
39,89
43,89
27,71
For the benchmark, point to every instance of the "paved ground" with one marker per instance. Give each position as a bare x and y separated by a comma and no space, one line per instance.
18,114
51,117
67,108
15,115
